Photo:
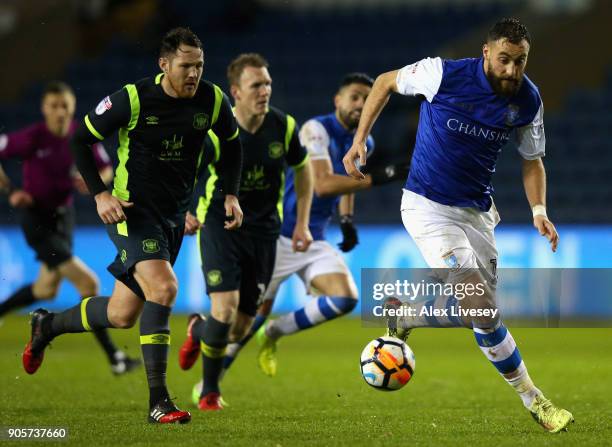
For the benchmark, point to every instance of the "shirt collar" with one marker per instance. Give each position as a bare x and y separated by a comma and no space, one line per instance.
482,77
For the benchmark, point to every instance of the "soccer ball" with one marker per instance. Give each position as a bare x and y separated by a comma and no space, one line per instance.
387,363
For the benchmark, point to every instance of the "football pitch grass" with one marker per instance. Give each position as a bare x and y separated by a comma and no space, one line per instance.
456,397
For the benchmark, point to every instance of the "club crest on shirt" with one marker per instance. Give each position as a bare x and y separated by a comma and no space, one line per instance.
103,106
214,278
150,246
200,121
512,114
451,260
275,149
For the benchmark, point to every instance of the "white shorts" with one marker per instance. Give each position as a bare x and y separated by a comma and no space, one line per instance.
451,237
319,259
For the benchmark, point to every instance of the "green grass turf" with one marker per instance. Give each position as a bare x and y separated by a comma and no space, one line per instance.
318,398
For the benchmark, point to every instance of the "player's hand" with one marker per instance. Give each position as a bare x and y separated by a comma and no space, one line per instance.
233,213
20,199
301,239
356,152
192,224
546,228
349,234
110,208
79,184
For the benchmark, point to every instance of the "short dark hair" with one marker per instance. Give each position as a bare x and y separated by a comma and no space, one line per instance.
56,88
511,29
237,66
356,78
177,37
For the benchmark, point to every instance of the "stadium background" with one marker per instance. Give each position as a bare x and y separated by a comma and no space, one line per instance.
97,46
318,397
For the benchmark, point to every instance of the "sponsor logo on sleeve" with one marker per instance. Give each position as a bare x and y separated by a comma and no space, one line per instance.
103,106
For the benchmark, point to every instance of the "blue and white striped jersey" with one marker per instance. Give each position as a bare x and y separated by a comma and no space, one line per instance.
324,138
463,125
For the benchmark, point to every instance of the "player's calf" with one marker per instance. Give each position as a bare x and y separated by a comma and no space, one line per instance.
214,339
315,312
21,298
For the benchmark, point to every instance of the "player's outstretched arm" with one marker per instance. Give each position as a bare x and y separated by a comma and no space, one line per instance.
302,238
384,85
534,181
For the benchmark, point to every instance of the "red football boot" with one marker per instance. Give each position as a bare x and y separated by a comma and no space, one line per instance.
211,402
190,350
165,412
34,352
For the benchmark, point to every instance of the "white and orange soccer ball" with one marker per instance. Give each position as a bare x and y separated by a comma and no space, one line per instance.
387,363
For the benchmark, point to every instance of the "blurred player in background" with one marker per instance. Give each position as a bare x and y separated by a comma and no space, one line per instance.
162,122
321,268
238,266
45,202
471,106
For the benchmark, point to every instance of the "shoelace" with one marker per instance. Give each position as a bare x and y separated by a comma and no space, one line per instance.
546,405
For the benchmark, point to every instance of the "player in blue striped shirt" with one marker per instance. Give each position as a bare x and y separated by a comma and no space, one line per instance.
471,107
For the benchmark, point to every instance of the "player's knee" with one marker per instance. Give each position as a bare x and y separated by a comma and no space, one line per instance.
122,320
490,321
88,286
265,309
340,285
350,293
238,332
122,317
226,313
224,306
486,314
44,292
164,292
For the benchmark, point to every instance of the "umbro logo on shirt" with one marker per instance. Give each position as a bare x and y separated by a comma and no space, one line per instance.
152,120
